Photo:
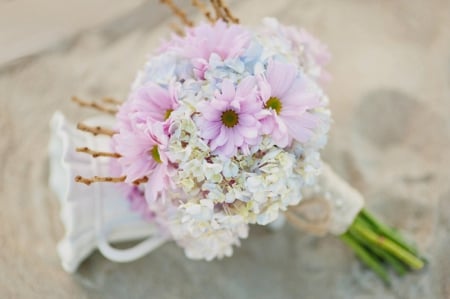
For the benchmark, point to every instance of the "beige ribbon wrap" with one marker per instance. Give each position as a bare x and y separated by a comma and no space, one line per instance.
330,206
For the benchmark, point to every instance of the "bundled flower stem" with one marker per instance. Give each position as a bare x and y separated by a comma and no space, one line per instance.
379,245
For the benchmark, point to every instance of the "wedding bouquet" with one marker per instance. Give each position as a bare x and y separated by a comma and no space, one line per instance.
222,129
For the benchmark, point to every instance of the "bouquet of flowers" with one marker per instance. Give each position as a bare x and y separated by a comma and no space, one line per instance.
222,129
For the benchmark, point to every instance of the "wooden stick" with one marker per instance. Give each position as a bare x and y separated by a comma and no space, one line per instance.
108,179
202,8
229,15
223,12
141,180
93,105
111,101
178,12
97,130
96,154
217,8
99,179
177,29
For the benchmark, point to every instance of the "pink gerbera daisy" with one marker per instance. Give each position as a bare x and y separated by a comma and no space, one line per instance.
140,150
225,40
151,102
231,120
143,155
142,137
289,98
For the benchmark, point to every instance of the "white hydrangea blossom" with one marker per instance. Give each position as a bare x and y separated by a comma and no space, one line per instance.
206,234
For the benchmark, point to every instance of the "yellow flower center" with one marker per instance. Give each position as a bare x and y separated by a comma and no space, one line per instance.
155,154
230,118
167,114
275,104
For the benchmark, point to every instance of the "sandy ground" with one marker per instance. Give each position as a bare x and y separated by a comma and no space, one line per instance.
391,102
31,26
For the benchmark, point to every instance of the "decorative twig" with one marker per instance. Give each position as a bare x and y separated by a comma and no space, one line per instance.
99,179
93,105
111,101
177,29
223,12
228,13
108,179
178,12
96,154
202,8
218,10
141,180
97,130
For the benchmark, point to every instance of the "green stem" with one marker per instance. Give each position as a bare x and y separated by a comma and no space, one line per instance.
385,243
384,255
388,232
366,257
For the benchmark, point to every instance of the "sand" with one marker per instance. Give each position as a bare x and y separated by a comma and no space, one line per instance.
390,97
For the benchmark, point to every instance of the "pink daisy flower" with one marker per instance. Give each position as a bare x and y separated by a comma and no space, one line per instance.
289,99
231,120
143,155
150,103
225,40
143,123
141,150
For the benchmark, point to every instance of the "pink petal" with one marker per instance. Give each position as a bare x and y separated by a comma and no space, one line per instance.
227,89
280,77
309,121
298,130
293,112
279,134
245,149
281,140
211,130
246,86
228,149
137,169
264,89
221,139
235,105
251,105
247,120
301,93
156,185
267,124
211,114
237,138
248,132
